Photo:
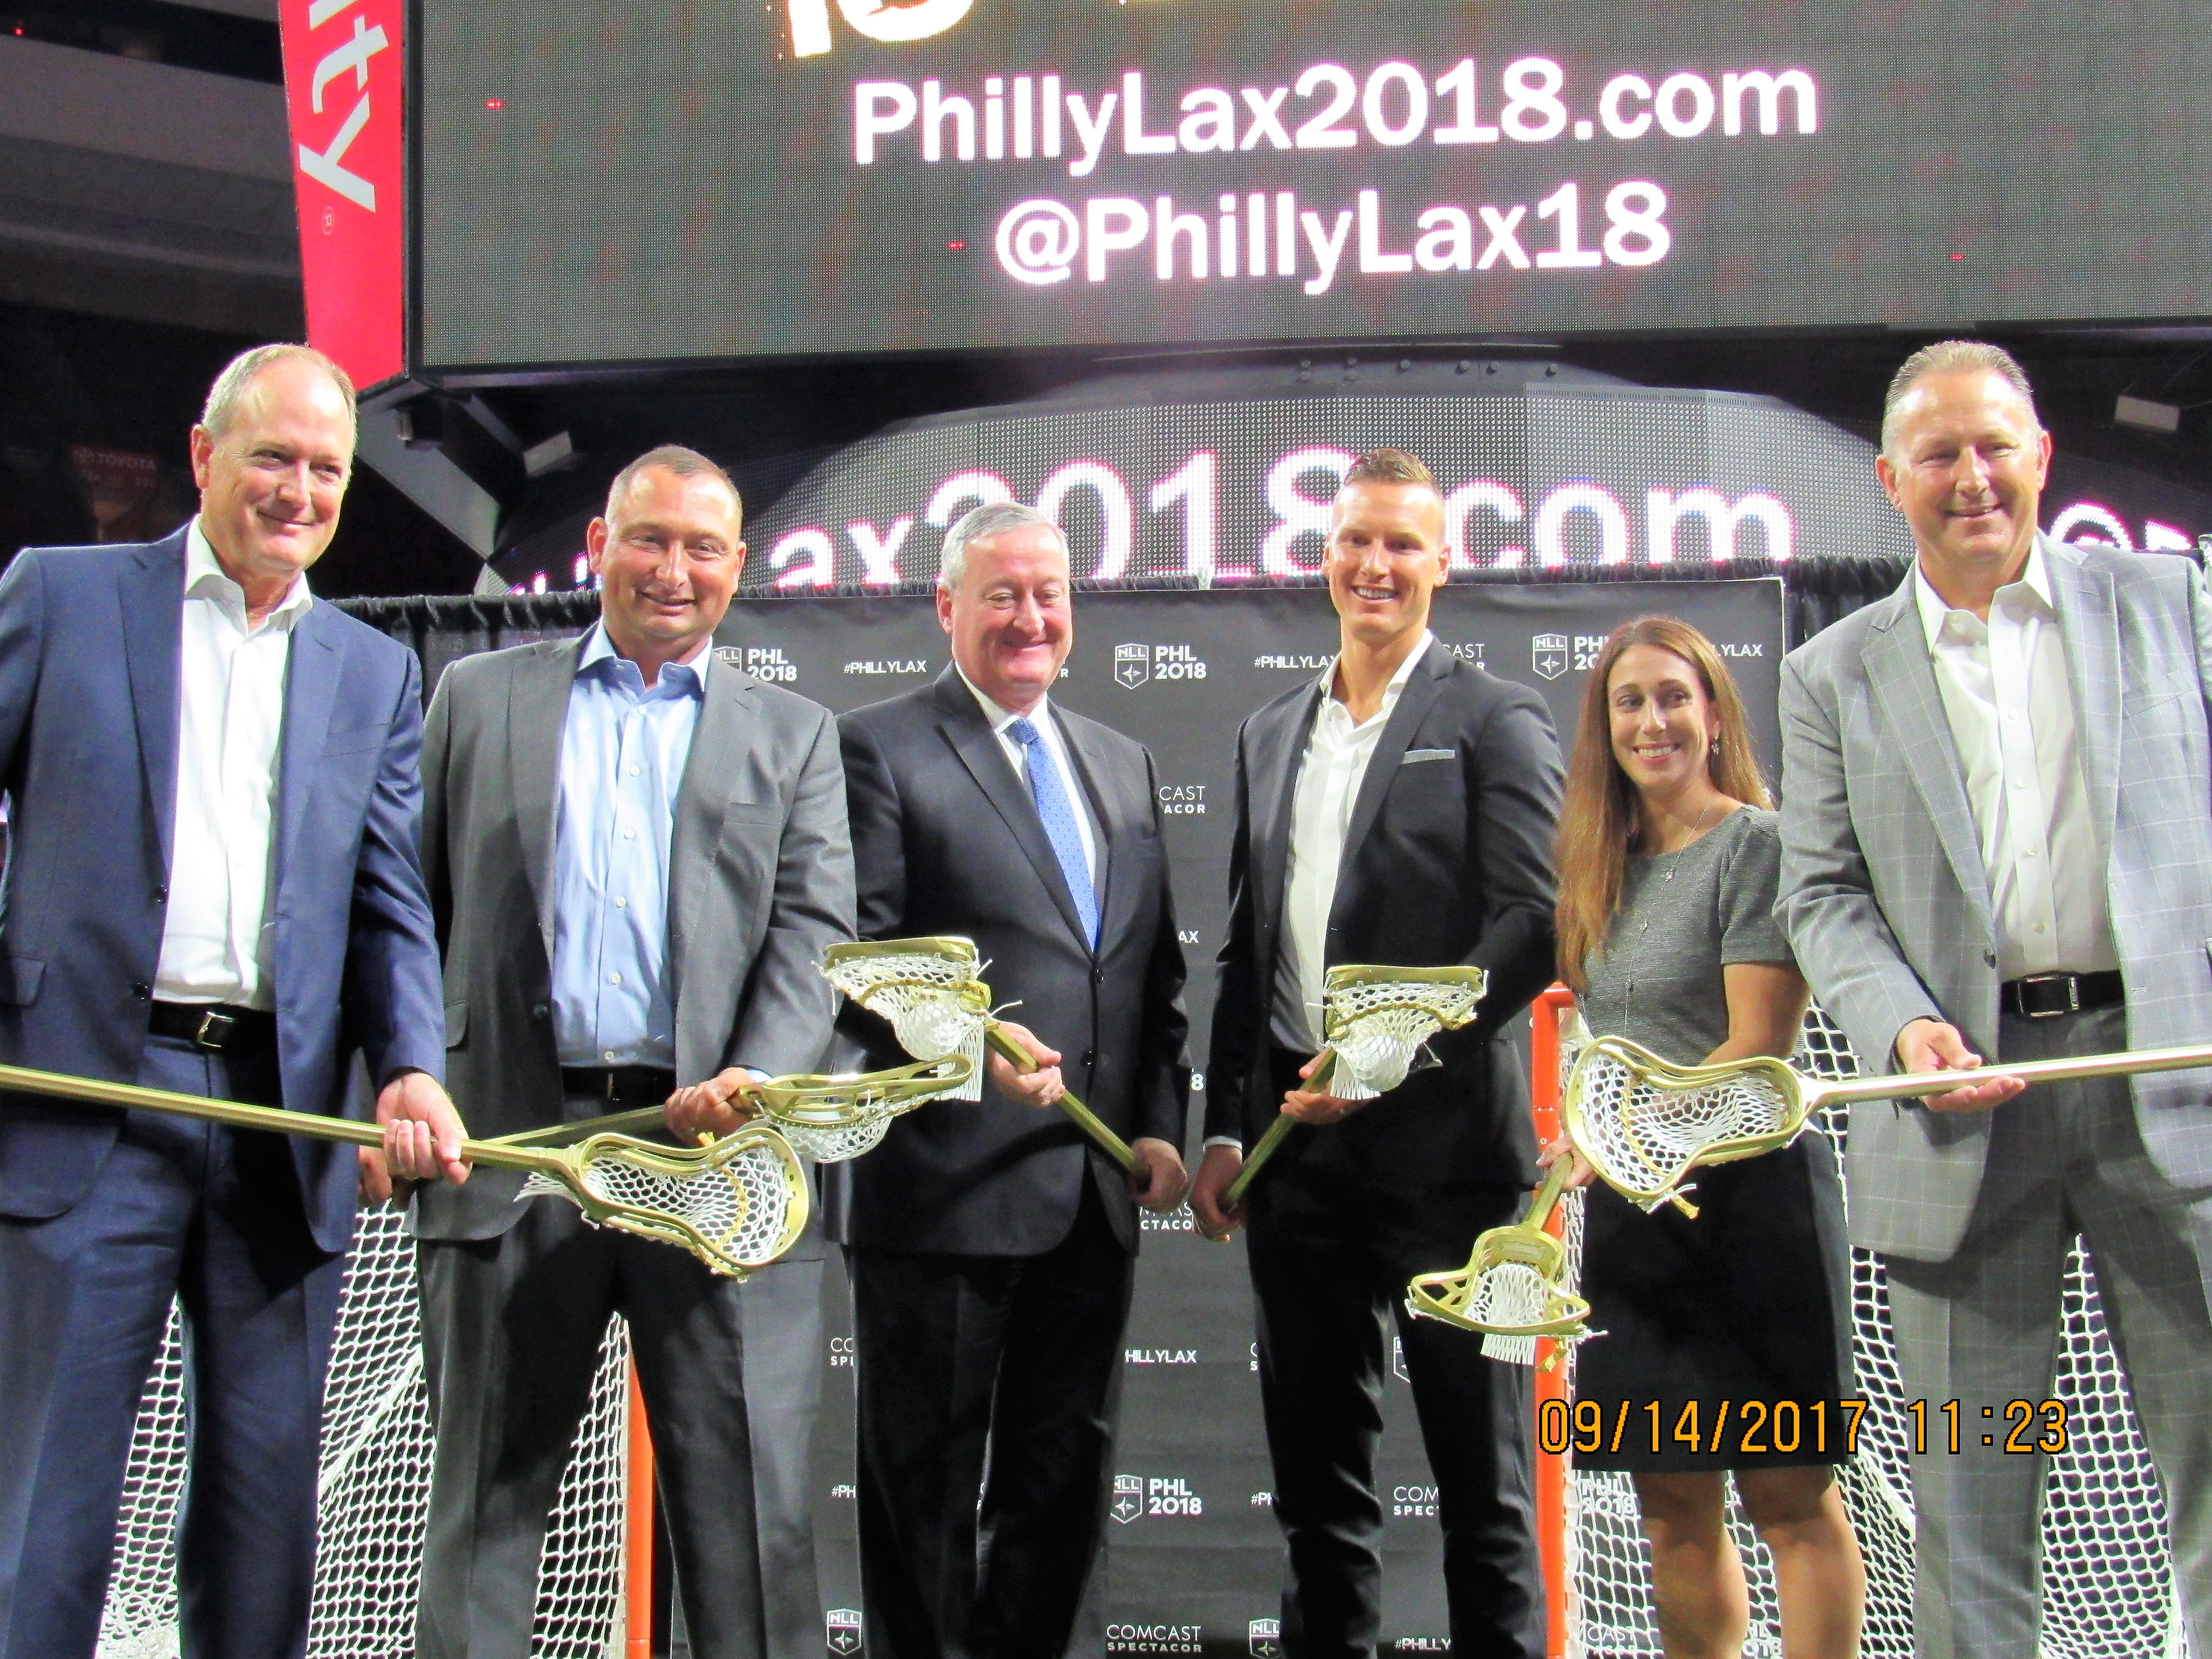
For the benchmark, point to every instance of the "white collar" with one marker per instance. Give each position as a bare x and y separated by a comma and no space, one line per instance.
999,718
1935,612
205,578
1398,678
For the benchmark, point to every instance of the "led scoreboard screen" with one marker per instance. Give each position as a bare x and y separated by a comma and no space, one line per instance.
616,180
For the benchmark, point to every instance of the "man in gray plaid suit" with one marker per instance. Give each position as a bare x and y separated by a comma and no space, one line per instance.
1998,845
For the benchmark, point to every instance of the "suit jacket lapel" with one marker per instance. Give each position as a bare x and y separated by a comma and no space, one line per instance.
152,596
1276,744
1422,688
726,725
536,714
1903,680
2089,627
311,670
960,717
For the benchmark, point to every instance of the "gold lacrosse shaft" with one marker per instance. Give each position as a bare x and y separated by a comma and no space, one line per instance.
2067,1070
1282,1125
1086,1119
275,1119
563,1134
1548,1195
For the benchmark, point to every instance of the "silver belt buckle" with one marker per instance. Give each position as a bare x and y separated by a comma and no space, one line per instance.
214,1031
2073,983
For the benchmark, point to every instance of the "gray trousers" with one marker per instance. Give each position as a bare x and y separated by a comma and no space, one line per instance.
730,1375
1982,1328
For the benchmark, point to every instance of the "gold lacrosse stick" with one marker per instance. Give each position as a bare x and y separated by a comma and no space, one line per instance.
931,993
1374,1021
1511,1288
737,1205
829,1119
1643,1124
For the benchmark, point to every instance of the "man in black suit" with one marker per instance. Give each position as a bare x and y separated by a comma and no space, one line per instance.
991,1245
1398,810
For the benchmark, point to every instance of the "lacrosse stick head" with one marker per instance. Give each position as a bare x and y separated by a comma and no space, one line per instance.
830,1119
1509,1291
929,992
1375,1020
1643,1124
737,1205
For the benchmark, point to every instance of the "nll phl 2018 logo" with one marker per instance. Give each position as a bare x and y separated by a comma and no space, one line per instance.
1137,1495
1134,665
844,1630
890,20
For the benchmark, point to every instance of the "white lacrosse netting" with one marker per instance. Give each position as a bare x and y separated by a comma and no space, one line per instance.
2107,1575
741,1206
927,1001
375,1488
1376,1029
1648,1131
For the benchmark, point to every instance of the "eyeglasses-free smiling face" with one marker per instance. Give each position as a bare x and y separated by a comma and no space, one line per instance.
1663,727
1386,557
1965,466
668,562
1012,617
271,484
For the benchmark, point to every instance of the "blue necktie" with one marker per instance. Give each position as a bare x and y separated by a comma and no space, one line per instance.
1057,813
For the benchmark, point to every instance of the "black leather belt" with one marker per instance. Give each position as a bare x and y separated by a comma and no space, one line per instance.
619,1085
2045,996
213,1025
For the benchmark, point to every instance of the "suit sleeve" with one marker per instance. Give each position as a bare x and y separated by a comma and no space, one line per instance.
1234,1049
1828,907
1516,788
879,842
22,628
393,989
785,1015
1163,1102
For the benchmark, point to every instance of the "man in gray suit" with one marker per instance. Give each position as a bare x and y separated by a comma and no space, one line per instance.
1997,844
636,853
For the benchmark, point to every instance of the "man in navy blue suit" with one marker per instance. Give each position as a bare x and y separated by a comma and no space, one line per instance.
213,888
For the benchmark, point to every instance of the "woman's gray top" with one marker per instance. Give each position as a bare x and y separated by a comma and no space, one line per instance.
1683,917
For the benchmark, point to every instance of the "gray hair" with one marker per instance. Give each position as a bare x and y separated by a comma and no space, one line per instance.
1953,357
978,525
672,458
231,386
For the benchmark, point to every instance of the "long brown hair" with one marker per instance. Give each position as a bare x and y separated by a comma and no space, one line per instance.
1598,818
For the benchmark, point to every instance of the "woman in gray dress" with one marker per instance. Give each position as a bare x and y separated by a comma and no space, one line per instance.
1727,1337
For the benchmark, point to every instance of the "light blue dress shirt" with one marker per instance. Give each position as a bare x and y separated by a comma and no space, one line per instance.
622,752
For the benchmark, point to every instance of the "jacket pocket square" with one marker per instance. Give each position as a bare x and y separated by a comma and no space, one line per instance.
1413,755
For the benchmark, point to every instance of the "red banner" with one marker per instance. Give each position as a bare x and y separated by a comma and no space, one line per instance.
344,83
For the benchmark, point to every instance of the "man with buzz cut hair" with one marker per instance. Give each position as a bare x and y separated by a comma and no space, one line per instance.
637,853
991,1245
1397,810
1996,825
212,890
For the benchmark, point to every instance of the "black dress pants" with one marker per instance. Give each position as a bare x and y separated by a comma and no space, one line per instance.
1000,1375
1329,1257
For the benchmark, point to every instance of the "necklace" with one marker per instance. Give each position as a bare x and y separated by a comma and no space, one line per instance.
1661,914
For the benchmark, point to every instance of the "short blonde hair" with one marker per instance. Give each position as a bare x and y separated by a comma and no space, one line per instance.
238,374
1953,357
675,458
1390,466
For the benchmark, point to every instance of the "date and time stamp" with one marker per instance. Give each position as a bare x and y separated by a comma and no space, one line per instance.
1786,1427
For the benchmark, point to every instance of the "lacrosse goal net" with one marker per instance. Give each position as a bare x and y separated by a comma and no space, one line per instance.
2107,1581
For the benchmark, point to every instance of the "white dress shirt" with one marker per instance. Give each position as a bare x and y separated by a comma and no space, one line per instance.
218,943
1040,716
1335,761
2011,711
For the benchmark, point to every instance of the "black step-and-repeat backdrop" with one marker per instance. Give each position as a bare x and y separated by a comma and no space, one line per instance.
1193,1552
1195,1555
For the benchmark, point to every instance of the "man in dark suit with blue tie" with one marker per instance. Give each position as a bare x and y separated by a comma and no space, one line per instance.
213,889
991,1245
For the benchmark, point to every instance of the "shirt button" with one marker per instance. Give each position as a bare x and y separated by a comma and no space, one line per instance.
608,1054
632,771
629,835
622,904
614,979
2038,927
